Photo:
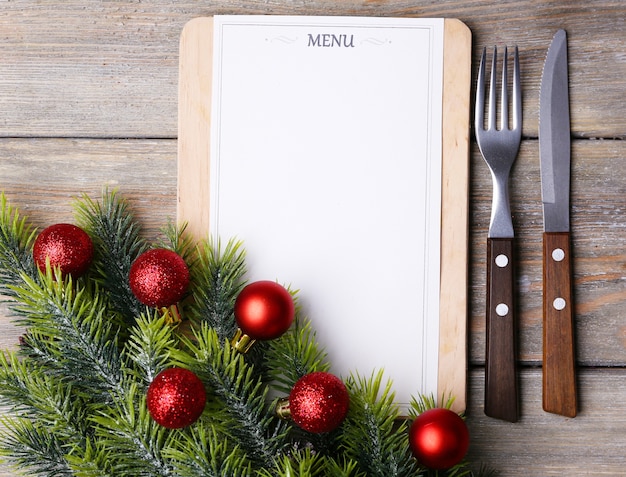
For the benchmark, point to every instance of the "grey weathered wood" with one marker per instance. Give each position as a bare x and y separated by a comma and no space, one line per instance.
94,69
43,176
88,99
543,444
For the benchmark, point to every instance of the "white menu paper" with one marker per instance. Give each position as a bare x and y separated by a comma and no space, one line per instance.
326,163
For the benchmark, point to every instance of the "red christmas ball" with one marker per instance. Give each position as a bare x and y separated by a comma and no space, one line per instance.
159,278
319,402
176,398
66,246
439,438
264,310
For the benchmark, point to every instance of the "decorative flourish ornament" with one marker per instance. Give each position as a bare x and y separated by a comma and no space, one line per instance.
66,246
318,402
176,398
159,278
439,438
264,310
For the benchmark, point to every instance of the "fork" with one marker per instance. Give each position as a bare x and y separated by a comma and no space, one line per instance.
499,148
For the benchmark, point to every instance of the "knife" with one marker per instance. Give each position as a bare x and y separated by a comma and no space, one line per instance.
559,374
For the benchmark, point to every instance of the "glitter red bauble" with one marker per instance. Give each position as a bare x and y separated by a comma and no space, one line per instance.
439,438
264,310
159,278
319,402
66,246
176,398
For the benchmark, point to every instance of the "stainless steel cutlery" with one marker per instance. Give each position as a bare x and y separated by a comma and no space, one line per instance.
559,374
499,147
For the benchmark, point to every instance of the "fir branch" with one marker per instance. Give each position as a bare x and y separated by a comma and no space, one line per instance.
82,394
57,422
92,460
343,468
243,396
423,403
178,241
32,447
117,242
301,462
216,280
72,331
371,434
16,239
294,355
127,432
26,390
205,452
150,347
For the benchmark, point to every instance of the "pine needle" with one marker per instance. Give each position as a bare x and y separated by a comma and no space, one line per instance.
151,347
117,242
16,239
242,395
294,355
371,433
70,331
216,279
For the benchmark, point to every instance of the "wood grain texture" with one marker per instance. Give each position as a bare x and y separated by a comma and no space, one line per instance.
195,87
544,444
109,69
453,301
559,353
44,176
501,394
77,71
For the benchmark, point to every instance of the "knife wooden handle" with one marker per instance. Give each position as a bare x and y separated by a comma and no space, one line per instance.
559,373
501,388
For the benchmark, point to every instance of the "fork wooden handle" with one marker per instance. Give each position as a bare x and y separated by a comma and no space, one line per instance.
501,388
559,372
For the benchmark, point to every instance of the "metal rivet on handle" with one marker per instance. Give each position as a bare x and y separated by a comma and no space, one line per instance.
502,309
502,260
558,254
559,303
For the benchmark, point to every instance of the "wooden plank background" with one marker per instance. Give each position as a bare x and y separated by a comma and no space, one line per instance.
88,98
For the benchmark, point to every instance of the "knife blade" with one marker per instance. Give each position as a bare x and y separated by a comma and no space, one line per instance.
559,373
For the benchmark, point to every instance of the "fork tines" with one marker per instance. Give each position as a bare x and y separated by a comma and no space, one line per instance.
504,99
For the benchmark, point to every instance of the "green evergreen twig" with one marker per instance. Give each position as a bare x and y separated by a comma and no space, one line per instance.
127,432
77,389
117,242
205,452
70,329
217,277
243,396
16,239
151,347
372,433
294,355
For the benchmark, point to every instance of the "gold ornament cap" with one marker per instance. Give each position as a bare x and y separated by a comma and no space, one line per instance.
283,410
172,314
242,342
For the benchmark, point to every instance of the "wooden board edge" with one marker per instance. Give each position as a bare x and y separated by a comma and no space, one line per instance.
194,125
452,372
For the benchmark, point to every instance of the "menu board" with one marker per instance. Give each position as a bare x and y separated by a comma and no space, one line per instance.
323,153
